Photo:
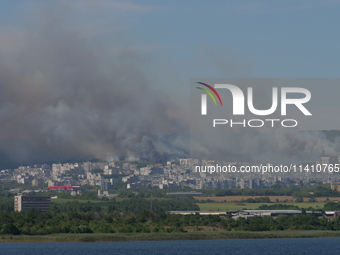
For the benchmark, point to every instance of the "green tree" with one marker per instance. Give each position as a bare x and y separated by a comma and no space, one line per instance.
10,229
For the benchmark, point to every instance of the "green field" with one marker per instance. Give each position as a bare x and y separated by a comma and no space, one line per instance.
65,200
117,199
208,206
251,206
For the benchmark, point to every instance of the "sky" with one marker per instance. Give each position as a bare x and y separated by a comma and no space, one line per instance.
200,38
48,49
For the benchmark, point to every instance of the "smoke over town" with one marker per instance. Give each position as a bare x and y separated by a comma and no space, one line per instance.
75,87
64,96
252,138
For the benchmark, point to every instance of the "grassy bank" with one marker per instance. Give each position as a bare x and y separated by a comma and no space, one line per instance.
198,235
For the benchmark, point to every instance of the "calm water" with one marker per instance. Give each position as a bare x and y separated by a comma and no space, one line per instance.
284,246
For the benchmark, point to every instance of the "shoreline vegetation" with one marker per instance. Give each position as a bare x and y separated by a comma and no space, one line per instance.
145,216
194,235
131,218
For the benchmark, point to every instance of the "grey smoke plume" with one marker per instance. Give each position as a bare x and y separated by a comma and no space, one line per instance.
63,96
267,144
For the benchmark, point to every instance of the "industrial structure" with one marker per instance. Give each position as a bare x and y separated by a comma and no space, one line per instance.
247,214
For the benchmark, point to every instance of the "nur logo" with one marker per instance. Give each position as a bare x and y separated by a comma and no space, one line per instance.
204,97
239,99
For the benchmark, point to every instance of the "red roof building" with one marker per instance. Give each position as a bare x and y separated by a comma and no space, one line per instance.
63,188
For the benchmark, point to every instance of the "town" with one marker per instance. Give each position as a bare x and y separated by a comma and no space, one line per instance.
173,174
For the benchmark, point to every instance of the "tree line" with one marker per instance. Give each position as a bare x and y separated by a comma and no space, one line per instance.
34,222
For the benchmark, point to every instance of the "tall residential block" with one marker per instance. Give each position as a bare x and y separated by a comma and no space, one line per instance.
24,203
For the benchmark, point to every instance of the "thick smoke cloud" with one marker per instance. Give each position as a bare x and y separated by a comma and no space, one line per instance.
267,144
279,147
63,96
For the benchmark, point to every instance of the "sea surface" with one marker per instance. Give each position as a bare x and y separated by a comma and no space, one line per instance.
282,246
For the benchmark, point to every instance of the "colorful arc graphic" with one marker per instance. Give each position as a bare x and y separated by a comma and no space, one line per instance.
209,93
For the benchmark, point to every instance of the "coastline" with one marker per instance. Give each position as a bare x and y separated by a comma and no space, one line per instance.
195,235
